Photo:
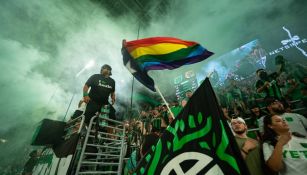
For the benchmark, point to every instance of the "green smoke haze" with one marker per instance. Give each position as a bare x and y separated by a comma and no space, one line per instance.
44,44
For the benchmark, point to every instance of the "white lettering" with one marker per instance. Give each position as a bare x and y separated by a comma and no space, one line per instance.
298,42
101,83
271,53
293,41
106,86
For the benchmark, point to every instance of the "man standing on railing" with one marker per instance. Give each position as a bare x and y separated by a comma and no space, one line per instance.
102,87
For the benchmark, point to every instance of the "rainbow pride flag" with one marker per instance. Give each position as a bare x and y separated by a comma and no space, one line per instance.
159,53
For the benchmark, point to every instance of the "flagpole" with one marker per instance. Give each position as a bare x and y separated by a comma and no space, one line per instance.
169,110
131,99
131,93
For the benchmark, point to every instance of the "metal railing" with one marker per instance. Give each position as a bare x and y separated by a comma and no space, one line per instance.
107,141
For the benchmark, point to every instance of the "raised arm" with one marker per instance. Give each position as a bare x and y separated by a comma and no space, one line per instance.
275,161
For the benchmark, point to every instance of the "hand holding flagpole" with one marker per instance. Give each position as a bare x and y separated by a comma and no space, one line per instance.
169,110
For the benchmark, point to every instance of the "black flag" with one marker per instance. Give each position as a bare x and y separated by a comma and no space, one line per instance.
198,141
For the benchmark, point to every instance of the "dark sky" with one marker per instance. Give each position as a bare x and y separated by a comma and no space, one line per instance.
44,44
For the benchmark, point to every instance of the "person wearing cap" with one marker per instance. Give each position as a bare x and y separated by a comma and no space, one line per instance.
102,87
250,148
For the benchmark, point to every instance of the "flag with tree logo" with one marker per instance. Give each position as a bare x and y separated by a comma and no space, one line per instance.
198,141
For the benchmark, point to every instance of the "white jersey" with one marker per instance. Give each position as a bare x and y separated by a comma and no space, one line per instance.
294,156
297,123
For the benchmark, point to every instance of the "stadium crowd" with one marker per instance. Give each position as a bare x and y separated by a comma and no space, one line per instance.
266,113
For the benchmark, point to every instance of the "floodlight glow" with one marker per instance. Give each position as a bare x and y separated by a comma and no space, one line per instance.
89,64
3,140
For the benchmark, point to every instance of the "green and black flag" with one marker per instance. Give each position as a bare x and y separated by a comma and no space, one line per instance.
198,141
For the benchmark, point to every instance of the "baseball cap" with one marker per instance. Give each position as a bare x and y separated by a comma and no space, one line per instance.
238,119
106,66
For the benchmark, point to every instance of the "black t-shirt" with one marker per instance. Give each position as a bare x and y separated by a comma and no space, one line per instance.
101,88
259,83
